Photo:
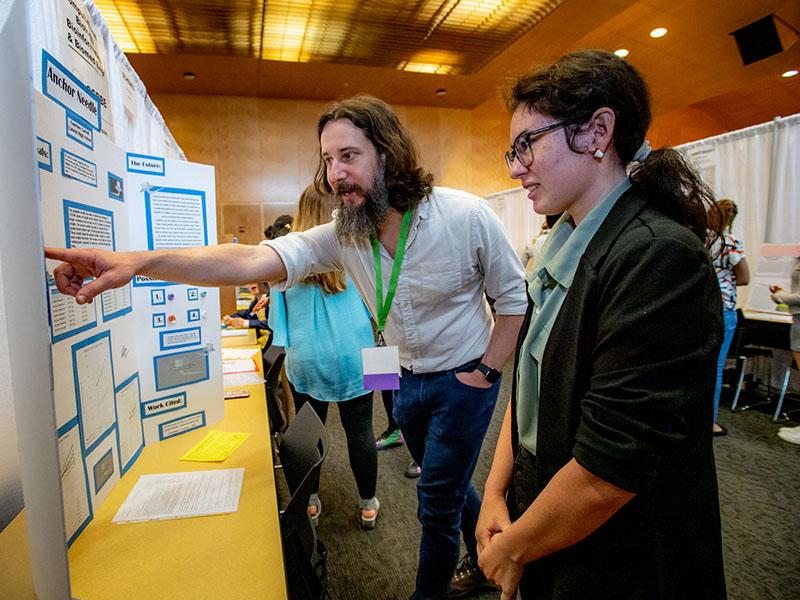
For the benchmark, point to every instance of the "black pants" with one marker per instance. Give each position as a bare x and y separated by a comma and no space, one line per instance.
356,415
519,498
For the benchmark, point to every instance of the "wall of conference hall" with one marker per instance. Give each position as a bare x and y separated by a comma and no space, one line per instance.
265,150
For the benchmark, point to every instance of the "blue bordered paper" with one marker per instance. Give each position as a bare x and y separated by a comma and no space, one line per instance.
180,338
76,161
66,90
79,132
145,164
201,195
124,467
116,187
75,348
61,432
181,425
163,405
54,295
68,204
190,376
44,154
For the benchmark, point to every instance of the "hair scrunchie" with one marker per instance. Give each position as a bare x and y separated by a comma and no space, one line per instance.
643,152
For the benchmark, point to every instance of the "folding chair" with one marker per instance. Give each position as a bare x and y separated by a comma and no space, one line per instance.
302,450
277,418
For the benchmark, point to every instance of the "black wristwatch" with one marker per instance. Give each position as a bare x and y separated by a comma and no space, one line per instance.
491,374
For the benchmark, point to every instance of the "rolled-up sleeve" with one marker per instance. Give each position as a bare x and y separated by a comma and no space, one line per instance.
658,335
314,251
504,276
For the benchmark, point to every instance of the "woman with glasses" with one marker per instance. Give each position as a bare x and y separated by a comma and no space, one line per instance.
605,451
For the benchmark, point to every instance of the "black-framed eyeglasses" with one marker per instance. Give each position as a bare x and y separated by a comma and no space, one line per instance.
522,148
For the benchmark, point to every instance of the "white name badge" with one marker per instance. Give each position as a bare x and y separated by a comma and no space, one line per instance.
381,368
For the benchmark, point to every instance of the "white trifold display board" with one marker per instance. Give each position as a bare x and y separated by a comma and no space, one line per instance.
77,37
138,365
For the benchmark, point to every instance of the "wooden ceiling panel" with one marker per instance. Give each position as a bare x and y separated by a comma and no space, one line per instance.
695,64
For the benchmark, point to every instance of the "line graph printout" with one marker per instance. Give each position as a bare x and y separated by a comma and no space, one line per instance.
94,386
73,482
129,420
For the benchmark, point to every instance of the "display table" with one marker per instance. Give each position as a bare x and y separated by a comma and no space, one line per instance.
16,581
236,555
234,338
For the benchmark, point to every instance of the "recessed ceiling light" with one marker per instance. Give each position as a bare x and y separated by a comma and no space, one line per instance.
790,73
658,32
441,92
188,75
622,52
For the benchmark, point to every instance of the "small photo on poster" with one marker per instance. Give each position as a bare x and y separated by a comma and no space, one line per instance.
116,190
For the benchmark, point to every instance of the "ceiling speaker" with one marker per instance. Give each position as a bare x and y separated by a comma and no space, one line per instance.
764,38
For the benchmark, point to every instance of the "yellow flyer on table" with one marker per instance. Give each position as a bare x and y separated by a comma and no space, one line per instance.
216,446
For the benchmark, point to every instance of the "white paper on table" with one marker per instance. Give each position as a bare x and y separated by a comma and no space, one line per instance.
238,353
234,332
238,366
236,380
181,495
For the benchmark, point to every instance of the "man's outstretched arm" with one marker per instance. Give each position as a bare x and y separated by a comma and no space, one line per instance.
226,264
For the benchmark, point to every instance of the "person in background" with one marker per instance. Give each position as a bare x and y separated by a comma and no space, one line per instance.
730,264
792,300
530,251
323,325
606,449
393,437
281,226
250,317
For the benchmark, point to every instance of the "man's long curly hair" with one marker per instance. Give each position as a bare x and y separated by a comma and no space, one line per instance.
406,182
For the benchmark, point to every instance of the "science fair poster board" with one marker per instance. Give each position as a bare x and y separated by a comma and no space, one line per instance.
133,367
774,267
178,324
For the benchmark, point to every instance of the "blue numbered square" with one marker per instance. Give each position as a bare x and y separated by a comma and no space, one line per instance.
193,314
192,293
159,320
157,297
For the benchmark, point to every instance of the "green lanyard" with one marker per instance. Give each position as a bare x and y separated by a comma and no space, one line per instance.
382,306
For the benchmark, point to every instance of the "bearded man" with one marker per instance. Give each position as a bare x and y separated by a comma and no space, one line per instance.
453,254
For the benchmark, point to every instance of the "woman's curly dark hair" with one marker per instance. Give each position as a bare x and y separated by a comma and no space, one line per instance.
406,182
581,82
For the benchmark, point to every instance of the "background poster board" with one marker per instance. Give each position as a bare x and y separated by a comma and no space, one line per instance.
774,267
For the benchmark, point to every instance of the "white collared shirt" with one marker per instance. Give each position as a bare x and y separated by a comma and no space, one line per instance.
456,250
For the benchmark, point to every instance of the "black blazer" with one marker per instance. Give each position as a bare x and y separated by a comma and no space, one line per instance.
626,389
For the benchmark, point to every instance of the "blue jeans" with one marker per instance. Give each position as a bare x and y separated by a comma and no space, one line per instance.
443,422
729,318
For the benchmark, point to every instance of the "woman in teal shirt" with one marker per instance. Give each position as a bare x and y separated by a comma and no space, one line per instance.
323,324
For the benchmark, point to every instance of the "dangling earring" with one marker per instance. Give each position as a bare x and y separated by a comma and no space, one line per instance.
599,154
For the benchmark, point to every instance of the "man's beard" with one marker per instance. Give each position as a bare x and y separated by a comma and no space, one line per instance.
357,223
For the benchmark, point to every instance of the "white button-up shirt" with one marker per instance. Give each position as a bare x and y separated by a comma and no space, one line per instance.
456,250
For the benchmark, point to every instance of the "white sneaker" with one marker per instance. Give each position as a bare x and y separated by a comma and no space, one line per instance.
790,428
790,435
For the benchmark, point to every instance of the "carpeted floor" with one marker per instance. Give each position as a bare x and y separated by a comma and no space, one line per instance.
759,479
